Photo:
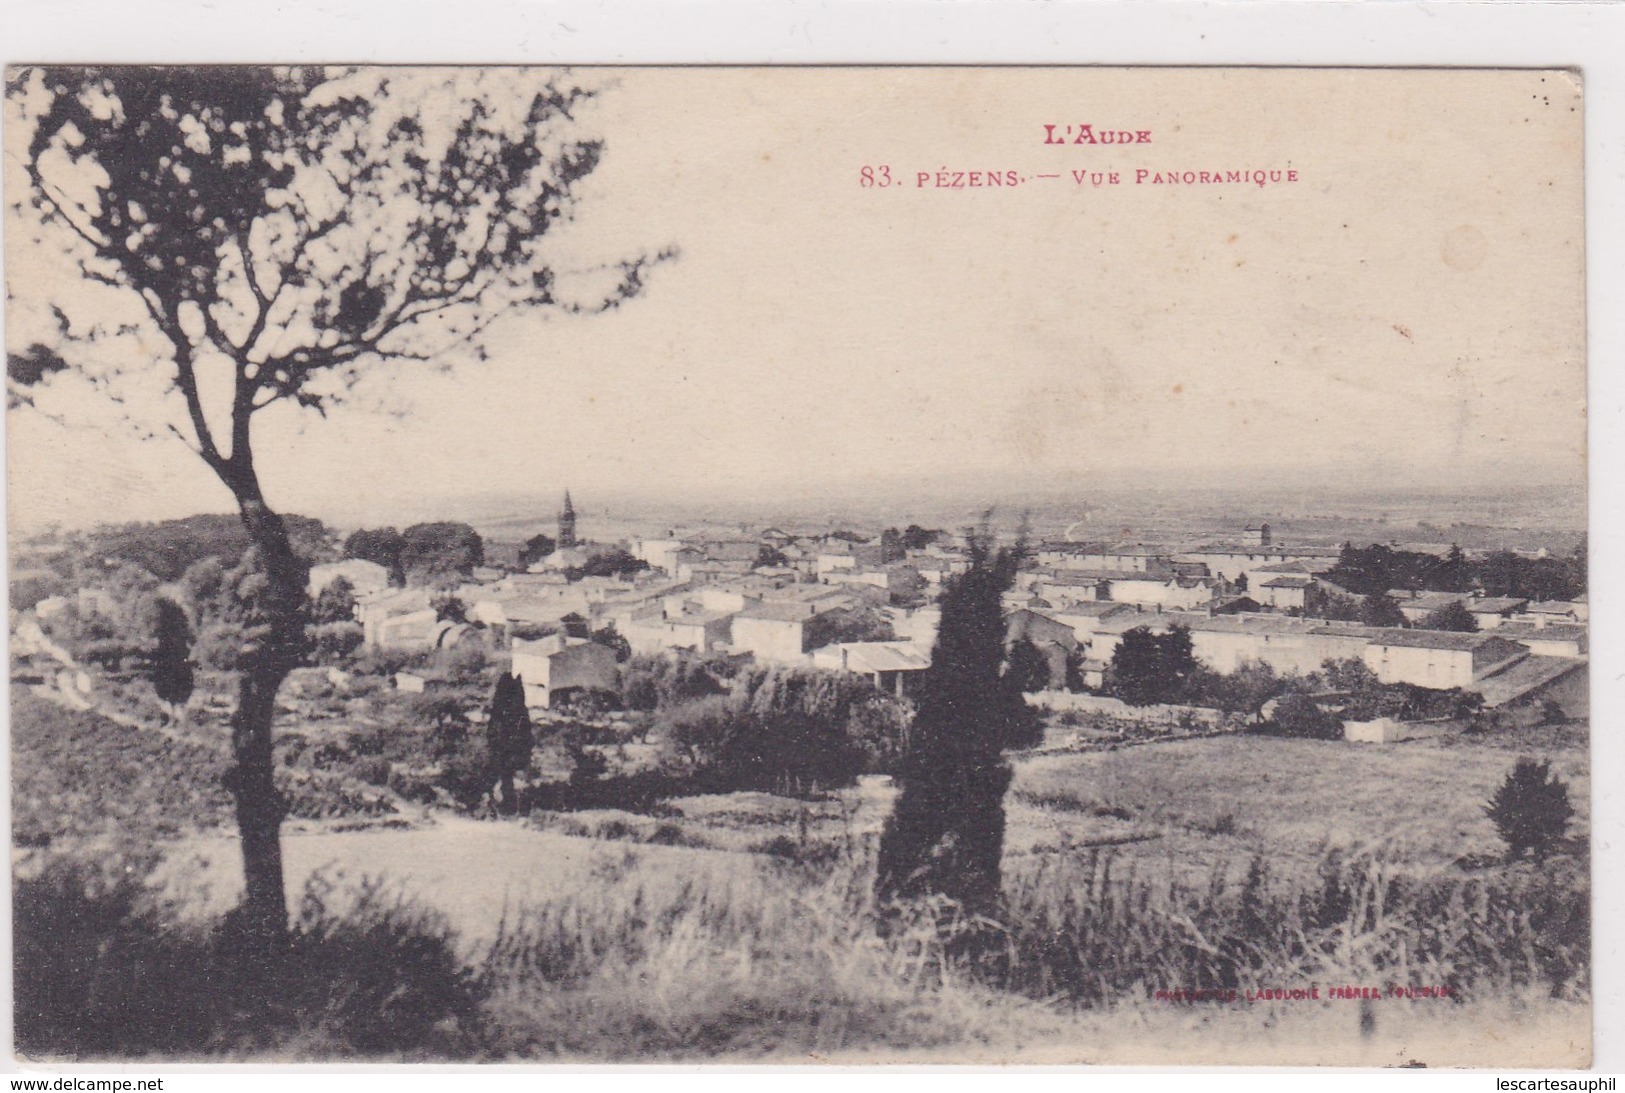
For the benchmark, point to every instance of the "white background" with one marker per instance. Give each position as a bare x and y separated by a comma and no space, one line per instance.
1588,37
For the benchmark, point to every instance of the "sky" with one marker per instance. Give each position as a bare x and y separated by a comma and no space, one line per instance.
1408,310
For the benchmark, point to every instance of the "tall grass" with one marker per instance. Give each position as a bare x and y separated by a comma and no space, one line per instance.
1091,930
767,960
659,966
772,957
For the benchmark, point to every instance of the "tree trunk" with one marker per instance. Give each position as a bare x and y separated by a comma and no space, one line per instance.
260,808
272,648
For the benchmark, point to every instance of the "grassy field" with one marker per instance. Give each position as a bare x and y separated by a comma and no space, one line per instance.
79,777
740,926
1199,803
600,949
1181,809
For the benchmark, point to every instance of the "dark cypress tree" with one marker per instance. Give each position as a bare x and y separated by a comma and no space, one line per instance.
945,835
511,737
171,664
1029,667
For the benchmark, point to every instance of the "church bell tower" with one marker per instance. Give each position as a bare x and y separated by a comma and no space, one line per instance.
567,524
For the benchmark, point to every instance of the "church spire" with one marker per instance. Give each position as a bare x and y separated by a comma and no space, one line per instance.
567,524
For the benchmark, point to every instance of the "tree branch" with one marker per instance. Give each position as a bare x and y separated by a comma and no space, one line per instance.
261,300
99,246
193,448
186,380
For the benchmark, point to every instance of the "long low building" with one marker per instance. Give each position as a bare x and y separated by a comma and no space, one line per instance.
1547,640
1425,658
1439,659
1289,645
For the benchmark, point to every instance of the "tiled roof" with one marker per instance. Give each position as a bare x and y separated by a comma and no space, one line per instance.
1096,609
1428,601
700,618
1523,677
1553,607
1494,605
1298,567
1431,639
1242,623
777,612
878,656
1552,631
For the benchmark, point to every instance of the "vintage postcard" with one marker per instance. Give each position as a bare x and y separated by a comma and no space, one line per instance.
828,564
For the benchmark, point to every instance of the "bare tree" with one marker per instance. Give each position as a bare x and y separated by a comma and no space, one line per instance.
294,229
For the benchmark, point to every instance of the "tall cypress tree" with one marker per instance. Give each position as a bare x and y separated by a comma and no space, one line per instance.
945,835
511,737
171,663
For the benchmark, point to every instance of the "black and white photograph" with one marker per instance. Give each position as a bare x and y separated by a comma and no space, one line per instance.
733,564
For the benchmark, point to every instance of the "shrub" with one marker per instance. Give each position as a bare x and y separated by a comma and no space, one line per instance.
411,786
640,690
82,938
643,791
327,796
1531,809
1301,716
377,975
334,641
466,770
1148,668
587,765
659,682
586,702
785,730
692,733
672,835
365,686
439,711
384,662
374,770
105,970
